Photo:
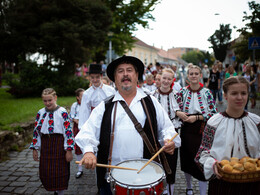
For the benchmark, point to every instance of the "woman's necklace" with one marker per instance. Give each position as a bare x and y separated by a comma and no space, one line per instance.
168,103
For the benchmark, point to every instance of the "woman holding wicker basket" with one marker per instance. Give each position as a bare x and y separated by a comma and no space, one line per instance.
233,135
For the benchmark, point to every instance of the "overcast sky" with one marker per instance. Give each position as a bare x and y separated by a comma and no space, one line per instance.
189,23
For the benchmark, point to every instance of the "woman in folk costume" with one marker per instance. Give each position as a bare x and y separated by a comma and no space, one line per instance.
74,115
233,133
197,106
53,137
167,98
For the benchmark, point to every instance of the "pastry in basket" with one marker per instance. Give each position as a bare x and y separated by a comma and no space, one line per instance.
244,159
234,159
232,163
227,168
239,167
250,166
252,160
258,163
224,162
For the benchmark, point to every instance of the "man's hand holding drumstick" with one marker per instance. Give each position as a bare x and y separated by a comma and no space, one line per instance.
169,146
89,160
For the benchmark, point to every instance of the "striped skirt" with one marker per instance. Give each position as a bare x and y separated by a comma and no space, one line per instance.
54,169
75,132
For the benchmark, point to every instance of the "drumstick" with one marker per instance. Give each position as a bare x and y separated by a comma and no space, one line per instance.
157,153
112,166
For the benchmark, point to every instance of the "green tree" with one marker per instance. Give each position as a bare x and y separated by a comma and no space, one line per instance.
208,58
220,40
251,29
65,31
69,31
195,57
126,16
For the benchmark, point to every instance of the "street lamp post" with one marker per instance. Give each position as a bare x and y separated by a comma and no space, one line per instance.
110,34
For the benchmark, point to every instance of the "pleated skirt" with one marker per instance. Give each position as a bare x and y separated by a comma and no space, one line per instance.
191,135
54,169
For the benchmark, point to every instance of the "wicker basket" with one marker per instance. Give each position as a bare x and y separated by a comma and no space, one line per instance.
245,177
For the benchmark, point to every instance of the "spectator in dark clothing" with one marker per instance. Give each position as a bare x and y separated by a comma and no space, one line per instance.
214,81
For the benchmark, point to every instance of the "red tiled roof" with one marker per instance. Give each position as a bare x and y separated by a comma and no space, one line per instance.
160,52
141,43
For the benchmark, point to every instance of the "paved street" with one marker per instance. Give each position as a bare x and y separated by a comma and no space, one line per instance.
20,174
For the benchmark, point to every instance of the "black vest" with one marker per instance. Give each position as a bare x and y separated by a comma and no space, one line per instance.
103,148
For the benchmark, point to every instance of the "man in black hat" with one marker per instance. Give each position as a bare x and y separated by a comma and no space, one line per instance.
111,117
96,93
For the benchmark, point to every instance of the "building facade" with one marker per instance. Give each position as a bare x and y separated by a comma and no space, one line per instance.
149,54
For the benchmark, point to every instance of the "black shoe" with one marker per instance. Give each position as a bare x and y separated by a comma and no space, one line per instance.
55,193
79,174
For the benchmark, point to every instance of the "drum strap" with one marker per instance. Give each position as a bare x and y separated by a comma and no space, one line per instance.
140,130
112,137
138,127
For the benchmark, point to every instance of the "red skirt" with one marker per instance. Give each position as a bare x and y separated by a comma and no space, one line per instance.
54,169
75,132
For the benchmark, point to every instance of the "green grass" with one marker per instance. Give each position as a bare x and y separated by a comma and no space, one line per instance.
14,110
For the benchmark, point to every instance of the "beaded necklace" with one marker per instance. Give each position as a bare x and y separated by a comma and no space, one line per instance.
245,140
168,102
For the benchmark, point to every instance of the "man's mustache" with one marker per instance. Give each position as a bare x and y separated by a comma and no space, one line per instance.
125,79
